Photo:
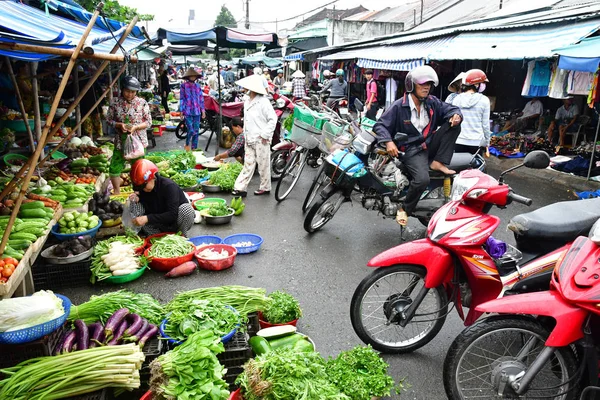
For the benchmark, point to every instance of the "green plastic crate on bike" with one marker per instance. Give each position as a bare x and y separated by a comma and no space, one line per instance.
310,117
367,124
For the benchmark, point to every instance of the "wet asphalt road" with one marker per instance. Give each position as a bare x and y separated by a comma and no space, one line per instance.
322,270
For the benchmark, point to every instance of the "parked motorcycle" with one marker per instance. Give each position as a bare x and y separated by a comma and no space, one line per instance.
384,185
403,304
540,345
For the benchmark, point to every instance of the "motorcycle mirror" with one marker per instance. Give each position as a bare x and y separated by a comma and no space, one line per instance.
537,159
401,137
359,105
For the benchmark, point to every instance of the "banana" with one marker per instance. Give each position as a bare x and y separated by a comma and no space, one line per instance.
240,209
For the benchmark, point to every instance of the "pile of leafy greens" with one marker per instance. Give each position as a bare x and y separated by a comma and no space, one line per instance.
188,316
225,176
282,309
191,370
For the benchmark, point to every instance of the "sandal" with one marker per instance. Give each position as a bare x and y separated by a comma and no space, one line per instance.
402,217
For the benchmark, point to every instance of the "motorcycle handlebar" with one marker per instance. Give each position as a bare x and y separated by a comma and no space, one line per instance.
519,199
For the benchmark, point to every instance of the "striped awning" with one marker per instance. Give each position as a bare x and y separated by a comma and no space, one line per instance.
390,65
514,44
294,57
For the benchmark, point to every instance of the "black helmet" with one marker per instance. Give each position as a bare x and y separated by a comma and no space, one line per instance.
130,83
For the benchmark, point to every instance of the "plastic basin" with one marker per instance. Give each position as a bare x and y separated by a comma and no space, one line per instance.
57,155
10,158
115,280
38,331
205,239
206,202
237,395
224,339
217,265
256,241
167,264
264,324
66,236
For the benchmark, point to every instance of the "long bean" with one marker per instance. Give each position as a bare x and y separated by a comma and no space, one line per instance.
171,246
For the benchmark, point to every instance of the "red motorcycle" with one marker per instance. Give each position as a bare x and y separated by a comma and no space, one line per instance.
281,148
403,304
543,345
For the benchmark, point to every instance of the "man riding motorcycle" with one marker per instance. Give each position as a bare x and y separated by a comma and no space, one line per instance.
419,115
338,88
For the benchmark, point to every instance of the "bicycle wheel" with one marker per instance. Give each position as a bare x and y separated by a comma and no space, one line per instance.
290,175
323,210
181,130
319,182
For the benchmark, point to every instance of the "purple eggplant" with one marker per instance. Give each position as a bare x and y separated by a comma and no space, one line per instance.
118,333
83,335
150,333
95,330
59,346
135,323
69,342
114,321
136,337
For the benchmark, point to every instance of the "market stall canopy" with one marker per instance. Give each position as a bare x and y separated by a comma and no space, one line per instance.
221,36
28,25
147,55
401,57
583,56
255,60
514,44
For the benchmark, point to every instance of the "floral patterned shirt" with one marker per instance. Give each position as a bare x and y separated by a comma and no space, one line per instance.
137,111
191,99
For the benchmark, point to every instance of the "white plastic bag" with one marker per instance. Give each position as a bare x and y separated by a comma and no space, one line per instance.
127,218
133,147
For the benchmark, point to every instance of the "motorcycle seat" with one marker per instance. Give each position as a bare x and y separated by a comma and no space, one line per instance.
459,162
565,220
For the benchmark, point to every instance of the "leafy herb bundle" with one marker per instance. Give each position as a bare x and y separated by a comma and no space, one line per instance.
219,210
225,176
189,316
283,308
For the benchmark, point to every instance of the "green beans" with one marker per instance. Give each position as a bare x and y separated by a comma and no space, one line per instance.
170,246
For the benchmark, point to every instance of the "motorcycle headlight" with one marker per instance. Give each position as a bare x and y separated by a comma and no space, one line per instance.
280,103
460,186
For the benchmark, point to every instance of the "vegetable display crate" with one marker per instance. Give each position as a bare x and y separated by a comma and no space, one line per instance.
152,349
13,354
48,276
253,324
237,351
231,376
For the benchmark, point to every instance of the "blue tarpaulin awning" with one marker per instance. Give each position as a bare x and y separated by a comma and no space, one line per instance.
255,60
28,25
221,36
583,56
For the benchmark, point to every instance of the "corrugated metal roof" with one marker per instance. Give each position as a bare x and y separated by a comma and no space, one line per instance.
514,44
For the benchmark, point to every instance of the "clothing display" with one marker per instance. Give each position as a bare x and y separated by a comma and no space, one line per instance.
391,87
537,79
527,83
558,84
579,83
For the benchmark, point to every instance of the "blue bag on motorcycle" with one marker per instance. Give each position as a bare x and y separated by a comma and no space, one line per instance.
346,161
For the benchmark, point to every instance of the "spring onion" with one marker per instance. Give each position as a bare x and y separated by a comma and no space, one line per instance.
171,246
73,374
244,299
100,270
100,308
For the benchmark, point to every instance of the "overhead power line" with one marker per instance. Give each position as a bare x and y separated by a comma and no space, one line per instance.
297,16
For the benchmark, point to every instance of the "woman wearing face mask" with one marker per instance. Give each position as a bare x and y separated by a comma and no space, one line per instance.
475,108
129,115
159,204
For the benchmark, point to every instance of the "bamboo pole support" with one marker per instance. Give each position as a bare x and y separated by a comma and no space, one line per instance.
13,78
104,94
64,52
36,104
75,76
36,155
11,185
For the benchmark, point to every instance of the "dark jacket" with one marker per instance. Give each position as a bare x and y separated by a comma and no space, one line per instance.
164,83
397,119
162,203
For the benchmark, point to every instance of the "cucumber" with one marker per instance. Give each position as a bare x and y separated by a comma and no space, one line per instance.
35,213
259,345
28,224
275,332
32,205
19,244
286,341
23,236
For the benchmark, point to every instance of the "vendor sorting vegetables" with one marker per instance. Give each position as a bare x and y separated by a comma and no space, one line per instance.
158,205
237,149
129,115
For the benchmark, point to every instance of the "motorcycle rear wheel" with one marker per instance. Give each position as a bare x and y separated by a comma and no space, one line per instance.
181,130
319,183
481,353
392,289
323,210
278,162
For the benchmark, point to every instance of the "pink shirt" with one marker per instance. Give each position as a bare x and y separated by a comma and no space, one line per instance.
372,88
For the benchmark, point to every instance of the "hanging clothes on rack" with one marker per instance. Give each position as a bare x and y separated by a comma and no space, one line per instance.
558,84
540,79
527,83
580,83
391,87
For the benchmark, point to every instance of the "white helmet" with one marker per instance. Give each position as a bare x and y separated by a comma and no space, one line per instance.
420,75
258,71
326,73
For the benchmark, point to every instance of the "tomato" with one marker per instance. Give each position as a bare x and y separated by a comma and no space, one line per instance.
3,280
1,263
11,260
6,272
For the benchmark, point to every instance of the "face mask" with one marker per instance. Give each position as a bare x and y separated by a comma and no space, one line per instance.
481,87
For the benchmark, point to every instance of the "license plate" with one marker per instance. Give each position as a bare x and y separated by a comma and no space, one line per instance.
343,110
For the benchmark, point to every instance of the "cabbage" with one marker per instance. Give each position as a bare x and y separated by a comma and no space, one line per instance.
86,140
76,141
25,312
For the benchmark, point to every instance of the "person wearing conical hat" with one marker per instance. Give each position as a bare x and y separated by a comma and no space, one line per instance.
259,124
298,85
191,106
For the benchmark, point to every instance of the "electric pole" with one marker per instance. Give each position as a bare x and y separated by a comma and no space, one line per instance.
247,14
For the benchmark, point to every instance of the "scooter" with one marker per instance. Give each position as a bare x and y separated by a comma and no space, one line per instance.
403,304
539,345
281,149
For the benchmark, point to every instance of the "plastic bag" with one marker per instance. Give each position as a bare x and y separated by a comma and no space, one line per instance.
133,148
127,218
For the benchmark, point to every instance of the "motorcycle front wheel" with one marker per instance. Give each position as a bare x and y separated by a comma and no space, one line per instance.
288,179
323,210
504,346
279,160
181,130
379,302
319,182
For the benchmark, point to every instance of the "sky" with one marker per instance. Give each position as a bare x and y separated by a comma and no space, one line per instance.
175,12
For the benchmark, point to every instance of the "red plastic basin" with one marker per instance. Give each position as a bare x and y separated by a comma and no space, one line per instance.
166,264
237,395
264,324
217,265
147,395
